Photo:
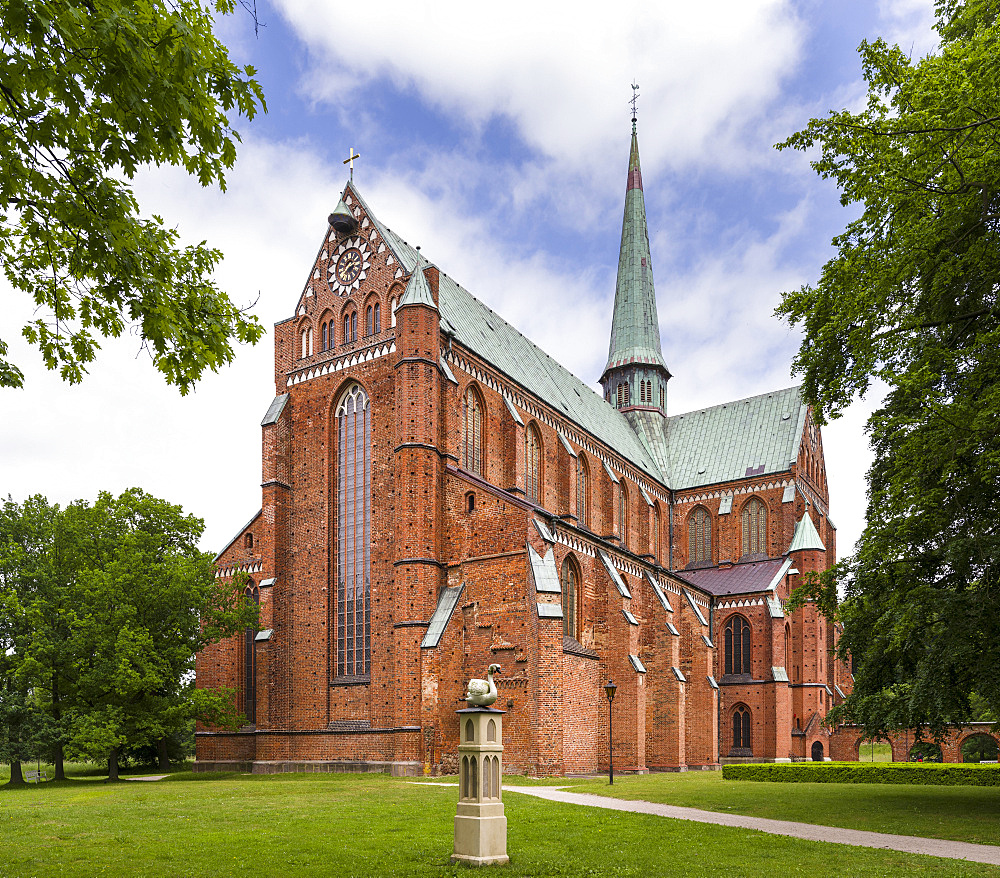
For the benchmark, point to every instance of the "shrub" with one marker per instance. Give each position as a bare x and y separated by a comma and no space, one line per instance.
947,774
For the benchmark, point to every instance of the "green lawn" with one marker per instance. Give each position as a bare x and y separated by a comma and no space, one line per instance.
960,813
347,825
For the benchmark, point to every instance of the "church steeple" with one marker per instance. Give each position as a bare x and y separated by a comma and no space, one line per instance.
635,377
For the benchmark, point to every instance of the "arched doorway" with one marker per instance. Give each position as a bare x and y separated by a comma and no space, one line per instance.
817,751
926,751
979,748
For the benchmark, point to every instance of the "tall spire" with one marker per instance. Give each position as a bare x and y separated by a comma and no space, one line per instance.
635,377
635,329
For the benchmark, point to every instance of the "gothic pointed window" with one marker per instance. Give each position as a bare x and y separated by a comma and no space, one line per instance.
347,328
369,320
754,528
741,731
472,432
655,542
325,343
353,529
533,464
737,646
582,490
377,318
568,581
623,513
699,536
251,593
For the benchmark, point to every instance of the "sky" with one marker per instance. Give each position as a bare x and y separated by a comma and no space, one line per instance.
496,136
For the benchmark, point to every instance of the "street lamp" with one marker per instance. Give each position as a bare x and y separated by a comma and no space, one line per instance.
610,690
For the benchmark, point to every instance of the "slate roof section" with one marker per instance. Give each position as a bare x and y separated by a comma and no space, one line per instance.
488,335
754,576
637,663
759,435
658,591
614,574
543,571
549,611
780,675
274,410
442,615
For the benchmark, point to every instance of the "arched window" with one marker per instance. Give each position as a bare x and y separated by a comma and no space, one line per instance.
472,432
369,320
741,731
377,318
248,541
655,542
699,536
622,391
252,593
307,342
755,528
354,514
325,339
533,464
737,639
347,328
568,580
392,313
788,644
354,326
623,513
582,490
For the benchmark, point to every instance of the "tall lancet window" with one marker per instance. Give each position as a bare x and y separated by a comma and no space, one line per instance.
354,518
754,528
582,491
472,439
533,463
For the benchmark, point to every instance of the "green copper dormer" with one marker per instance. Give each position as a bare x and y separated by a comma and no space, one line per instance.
635,378
635,359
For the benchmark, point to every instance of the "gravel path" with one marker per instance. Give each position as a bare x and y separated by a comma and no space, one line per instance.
935,847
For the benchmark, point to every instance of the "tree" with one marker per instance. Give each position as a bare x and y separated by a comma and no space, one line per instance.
90,92
123,602
910,299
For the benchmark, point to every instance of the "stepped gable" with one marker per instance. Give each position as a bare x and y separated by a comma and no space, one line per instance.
756,436
492,338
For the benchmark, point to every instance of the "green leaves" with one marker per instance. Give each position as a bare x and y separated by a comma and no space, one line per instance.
101,614
90,92
911,300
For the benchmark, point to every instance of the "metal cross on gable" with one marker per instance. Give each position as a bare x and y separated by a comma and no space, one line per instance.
351,156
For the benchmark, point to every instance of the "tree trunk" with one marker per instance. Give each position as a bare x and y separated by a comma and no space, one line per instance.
113,765
161,752
57,757
16,778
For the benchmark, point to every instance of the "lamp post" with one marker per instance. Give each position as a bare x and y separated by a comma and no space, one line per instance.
610,691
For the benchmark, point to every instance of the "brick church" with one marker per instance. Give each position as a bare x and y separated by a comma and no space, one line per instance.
438,495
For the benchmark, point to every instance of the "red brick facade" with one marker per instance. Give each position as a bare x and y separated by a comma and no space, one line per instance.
437,525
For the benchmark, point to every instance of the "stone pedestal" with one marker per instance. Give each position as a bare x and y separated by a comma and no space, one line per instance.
480,825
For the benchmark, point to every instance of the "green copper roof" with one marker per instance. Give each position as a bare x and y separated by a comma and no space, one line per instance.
806,536
418,291
489,336
635,329
749,437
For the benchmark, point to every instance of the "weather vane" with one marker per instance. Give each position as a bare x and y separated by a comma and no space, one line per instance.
351,156
635,97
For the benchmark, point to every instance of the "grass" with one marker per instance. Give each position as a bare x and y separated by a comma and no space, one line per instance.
959,813
353,825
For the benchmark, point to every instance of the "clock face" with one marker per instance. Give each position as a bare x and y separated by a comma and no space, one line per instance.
349,266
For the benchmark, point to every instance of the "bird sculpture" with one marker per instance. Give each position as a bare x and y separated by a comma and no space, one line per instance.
482,693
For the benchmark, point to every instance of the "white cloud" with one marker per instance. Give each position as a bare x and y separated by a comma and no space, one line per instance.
561,73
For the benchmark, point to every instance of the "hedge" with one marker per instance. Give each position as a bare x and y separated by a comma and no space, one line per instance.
944,774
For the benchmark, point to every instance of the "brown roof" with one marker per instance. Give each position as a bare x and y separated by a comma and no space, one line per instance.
752,576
